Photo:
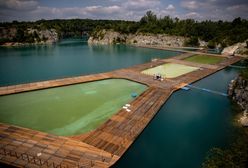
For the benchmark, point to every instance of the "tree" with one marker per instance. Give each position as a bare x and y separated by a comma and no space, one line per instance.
220,32
19,37
192,42
149,17
236,21
211,44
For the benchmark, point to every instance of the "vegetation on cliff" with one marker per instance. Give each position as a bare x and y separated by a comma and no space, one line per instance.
18,31
235,156
220,32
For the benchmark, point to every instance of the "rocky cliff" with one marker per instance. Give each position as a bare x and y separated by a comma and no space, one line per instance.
111,37
15,37
238,91
46,36
236,49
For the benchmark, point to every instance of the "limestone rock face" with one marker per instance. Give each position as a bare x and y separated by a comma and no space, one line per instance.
42,36
203,43
50,35
9,33
244,121
111,37
106,37
238,91
238,48
160,40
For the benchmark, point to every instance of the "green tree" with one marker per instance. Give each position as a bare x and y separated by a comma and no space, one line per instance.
149,17
211,44
192,42
219,32
19,37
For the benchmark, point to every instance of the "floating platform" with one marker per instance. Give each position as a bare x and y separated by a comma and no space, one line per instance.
102,147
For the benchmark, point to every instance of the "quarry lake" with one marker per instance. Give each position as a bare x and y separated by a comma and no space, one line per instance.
187,126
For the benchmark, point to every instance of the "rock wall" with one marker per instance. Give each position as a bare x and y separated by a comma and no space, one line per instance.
238,91
238,48
106,37
111,37
50,36
8,35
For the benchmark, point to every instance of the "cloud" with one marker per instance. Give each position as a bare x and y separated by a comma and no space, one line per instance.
75,12
236,8
103,10
112,9
192,15
169,10
19,4
190,5
127,10
141,4
216,9
170,7
238,11
227,3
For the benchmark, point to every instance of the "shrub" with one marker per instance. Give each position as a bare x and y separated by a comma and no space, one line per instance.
192,42
211,44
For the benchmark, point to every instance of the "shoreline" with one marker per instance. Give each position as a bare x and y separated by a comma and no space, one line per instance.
17,44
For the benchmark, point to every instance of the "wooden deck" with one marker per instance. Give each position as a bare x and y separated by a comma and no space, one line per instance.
104,146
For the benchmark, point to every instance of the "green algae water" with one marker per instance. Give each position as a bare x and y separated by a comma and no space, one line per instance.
69,58
68,110
187,126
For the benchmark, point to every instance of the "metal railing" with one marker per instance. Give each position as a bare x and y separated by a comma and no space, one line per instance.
40,162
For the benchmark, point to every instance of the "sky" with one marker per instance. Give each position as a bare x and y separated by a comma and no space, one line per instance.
31,10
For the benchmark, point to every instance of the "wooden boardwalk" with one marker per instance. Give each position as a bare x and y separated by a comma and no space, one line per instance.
104,146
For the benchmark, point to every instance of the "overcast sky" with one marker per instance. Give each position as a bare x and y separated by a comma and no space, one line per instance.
30,10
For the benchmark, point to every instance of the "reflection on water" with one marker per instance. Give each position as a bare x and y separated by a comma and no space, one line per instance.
71,57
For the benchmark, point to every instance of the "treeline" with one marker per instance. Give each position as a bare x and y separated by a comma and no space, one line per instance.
220,32
65,28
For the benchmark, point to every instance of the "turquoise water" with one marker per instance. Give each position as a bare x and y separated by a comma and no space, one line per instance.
68,58
185,128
